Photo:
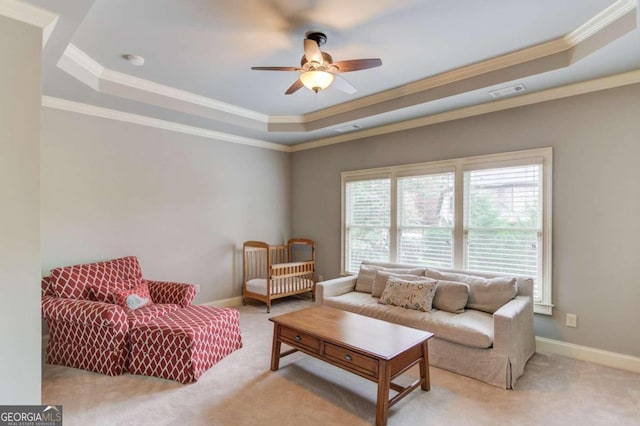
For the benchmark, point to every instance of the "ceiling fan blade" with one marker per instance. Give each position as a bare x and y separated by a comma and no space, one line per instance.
312,51
357,64
276,68
294,87
343,85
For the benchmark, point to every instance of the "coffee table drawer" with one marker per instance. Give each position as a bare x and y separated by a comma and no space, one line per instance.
295,338
351,360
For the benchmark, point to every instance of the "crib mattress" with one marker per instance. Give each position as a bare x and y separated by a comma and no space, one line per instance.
284,285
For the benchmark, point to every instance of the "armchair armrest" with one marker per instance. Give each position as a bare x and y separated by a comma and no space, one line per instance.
86,312
170,292
334,287
514,335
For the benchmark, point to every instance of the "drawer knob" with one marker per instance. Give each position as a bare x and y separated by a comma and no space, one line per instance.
298,338
348,357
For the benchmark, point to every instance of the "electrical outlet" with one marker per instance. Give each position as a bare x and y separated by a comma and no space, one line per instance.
197,286
320,278
572,320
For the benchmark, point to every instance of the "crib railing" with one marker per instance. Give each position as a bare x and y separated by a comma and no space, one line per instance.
272,265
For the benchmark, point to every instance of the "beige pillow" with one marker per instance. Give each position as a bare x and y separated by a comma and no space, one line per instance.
416,295
366,274
451,296
485,294
381,277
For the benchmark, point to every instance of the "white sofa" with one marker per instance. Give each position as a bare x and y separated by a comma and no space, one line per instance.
491,347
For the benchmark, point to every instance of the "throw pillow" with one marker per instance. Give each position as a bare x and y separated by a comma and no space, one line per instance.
451,296
485,294
381,277
416,295
106,291
367,273
133,298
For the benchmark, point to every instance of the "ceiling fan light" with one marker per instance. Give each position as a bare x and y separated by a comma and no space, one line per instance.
316,80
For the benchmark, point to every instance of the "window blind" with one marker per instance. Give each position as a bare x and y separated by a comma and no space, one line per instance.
503,221
425,222
367,220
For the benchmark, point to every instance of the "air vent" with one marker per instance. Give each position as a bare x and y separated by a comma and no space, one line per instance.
507,91
349,128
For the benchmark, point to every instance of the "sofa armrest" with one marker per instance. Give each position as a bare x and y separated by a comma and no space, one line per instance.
86,312
513,333
167,292
334,287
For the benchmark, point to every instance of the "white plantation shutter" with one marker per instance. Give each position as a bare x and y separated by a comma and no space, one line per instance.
503,221
487,213
425,222
367,221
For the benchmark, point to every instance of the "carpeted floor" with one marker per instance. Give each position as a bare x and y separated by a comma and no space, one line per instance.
241,390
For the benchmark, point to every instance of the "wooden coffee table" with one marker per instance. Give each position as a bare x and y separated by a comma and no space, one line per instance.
376,350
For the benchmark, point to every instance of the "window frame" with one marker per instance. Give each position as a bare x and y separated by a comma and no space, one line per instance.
543,156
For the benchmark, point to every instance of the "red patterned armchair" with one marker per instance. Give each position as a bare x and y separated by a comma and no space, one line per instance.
88,329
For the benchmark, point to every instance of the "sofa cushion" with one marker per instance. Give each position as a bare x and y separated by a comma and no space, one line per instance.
485,294
416,295
133,298
471,328
451,296
367,273
75,282
381,277
148,312
106,291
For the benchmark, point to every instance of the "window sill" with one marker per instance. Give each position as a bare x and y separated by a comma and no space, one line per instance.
540,308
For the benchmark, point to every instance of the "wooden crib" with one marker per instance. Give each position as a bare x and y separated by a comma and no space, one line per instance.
271,272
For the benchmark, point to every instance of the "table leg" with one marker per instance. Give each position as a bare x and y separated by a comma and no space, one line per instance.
424,367
275,348
384,383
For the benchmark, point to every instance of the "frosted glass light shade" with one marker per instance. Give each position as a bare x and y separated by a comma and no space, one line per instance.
316,80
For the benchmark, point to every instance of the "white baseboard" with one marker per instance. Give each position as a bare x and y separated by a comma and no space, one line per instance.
585,353
225,303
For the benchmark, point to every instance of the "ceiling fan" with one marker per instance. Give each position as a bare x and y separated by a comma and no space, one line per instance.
318,71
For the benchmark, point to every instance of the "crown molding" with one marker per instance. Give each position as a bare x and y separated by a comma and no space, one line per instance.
617,80
29,14
609,82
111,114
617,19
615,11
614,21
81,66
180,95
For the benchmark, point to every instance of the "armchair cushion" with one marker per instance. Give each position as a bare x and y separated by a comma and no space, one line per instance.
171,293
77,282
106,292
133,298
148,312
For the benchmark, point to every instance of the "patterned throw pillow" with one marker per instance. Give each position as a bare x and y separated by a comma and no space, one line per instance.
381,278
106,291
416,295
133,298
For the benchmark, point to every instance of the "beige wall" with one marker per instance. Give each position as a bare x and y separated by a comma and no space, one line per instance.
183,204
20,87
596,200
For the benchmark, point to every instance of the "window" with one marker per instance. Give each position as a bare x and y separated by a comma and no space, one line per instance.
367,221
490,213
425,219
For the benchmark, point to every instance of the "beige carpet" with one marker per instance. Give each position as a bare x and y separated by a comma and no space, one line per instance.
241,390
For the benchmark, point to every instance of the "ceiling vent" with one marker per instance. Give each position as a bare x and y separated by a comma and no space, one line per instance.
518,88
349,128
